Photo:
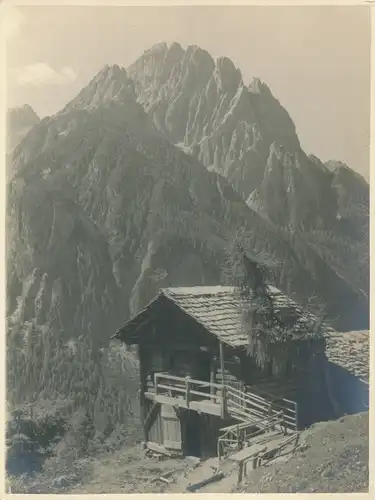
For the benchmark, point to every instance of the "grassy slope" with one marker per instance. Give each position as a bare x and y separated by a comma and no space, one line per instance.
334,458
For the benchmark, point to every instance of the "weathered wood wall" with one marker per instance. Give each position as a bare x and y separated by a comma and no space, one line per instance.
174,343
171,428
155,430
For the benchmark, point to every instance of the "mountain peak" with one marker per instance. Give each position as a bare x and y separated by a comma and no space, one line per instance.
159,47
257,86
25,113
111,71
160,52
20,121
110,84
197,54
229,77
175,46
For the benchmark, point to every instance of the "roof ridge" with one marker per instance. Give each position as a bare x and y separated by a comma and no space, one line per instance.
219,308
186,311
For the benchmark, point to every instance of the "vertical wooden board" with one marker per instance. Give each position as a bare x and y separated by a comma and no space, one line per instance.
155,433
171,428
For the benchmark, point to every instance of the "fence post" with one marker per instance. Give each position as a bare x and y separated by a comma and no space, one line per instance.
223,401
296,415
187,391
283,422
156,383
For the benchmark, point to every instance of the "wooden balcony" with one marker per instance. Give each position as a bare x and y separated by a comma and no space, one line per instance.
189,393
220,400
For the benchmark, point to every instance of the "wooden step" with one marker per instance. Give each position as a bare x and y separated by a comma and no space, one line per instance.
269,443
251,451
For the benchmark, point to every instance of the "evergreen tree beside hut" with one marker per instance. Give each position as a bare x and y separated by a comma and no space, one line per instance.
270,329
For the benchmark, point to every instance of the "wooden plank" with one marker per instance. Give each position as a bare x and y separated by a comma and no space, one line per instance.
183,390
249,406
206,407
204,394
157,448
249,395
175,388
209,480
171,428
280,442
289,420
150,413
166,400
249,424
247,453
154,427
203,383
260,438
247,415
242,426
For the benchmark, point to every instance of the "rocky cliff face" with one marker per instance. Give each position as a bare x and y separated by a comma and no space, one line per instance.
203,106
104,209
238,130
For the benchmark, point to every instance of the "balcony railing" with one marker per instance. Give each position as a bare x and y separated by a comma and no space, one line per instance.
222,400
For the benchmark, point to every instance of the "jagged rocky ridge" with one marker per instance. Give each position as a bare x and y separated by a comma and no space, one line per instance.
103,210
238,130
203,106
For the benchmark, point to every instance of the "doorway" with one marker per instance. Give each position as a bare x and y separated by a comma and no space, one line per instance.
192,434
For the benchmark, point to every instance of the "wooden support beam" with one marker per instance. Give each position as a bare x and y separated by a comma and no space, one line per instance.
209,480
150,414
223,402
222,363
212,376
142,390
187,393
156,383
157,448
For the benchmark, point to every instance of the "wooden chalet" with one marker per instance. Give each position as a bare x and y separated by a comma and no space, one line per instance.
200,390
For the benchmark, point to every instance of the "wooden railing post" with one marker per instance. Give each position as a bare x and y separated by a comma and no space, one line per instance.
296,415
223,401
222,367
187,393
156,383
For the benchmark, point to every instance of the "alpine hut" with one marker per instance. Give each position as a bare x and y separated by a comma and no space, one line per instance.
199,383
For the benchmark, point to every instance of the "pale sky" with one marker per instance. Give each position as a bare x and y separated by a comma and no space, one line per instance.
316,60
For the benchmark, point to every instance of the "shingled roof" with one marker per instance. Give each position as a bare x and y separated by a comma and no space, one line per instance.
219,310
351,351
